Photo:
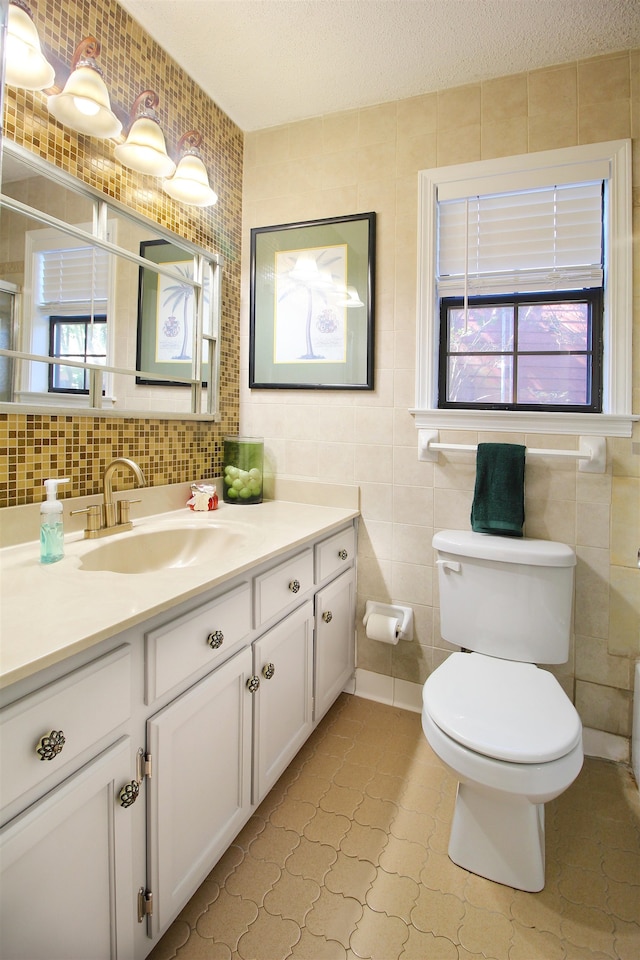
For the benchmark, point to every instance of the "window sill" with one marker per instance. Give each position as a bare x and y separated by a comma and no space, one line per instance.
73,401
521,421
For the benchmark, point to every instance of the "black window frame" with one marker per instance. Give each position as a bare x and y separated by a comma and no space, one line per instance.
592,296
54,321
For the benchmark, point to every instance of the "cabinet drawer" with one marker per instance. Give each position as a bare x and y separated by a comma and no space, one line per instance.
84,706
283,587
335,553
201,637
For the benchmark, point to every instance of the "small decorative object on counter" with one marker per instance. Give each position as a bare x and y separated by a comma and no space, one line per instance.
243,464
203,497
51,524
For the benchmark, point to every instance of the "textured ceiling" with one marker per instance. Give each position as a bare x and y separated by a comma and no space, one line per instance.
267,62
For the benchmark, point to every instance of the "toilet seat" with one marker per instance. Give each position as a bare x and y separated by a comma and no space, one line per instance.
504,709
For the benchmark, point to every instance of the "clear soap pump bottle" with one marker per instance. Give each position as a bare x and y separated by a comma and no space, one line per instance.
51,524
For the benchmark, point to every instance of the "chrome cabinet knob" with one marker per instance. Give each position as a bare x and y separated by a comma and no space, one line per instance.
294,586
268,670
50,745
343,554
215,639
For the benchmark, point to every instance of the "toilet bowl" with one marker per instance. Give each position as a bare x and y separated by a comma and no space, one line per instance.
501,724
510,754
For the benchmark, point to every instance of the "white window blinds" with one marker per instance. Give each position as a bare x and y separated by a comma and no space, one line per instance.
526,241
76,275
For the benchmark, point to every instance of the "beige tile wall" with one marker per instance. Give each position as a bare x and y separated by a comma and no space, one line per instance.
33,447
368,160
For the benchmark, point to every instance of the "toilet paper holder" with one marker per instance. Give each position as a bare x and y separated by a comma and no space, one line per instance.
404,615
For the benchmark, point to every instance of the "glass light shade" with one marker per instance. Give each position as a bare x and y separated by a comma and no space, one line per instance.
145,150
190,183
25,65
84,104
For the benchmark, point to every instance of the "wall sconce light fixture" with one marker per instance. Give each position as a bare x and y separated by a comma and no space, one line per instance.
84,103
144,149
25,65
352,298
190,182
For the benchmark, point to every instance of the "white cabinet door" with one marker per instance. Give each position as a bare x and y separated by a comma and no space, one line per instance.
200,789
67,872
335,640
283,661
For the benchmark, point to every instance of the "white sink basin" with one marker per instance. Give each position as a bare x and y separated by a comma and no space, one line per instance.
147,551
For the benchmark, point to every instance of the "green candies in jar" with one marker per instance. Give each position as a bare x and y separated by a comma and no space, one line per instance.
243,465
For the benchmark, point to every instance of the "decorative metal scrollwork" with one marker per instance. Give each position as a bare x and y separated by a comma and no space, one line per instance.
51,745
343,554
215,639
294,586
252,684
327,616
129,794
268,670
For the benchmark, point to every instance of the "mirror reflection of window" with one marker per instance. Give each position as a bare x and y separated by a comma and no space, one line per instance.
6,343
66,311
81,339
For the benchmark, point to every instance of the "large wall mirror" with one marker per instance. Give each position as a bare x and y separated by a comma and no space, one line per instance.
101,310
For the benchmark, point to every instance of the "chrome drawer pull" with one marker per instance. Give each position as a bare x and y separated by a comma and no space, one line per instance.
327,616
252,684
129,794
51,745
268,670
343,554
215,639
294,586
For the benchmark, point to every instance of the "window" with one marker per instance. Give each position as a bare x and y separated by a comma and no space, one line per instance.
524,295
521,352
75,338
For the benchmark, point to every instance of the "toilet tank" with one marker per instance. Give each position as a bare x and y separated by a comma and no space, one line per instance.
505,597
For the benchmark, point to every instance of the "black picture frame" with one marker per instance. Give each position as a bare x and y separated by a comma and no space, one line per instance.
156,333
312,293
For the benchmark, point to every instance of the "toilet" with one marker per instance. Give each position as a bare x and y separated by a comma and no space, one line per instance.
502,725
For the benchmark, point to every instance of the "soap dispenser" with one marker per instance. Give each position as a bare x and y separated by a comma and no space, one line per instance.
51,524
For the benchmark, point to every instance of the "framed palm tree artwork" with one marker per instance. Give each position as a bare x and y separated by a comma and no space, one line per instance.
165,341
312,304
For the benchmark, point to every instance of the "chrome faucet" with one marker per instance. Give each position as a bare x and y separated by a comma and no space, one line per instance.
109,507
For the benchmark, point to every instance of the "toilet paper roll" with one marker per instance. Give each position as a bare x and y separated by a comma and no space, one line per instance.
384,629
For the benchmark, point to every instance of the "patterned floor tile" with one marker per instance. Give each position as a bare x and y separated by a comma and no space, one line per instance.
346,859
292,897
268,937
334,917
393,894
378,935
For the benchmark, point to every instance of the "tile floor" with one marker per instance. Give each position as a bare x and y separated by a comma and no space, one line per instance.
347,858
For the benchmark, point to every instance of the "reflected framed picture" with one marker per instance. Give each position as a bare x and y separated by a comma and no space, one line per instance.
165,315
312,304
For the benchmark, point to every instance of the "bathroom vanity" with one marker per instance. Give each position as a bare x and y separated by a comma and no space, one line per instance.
138,736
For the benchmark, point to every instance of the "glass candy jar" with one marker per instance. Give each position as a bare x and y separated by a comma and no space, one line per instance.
242,469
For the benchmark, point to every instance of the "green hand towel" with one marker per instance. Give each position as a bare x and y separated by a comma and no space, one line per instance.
498,498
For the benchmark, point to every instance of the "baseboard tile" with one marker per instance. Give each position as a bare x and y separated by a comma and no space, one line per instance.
606,746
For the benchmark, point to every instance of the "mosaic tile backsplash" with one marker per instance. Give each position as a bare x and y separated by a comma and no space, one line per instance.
34,446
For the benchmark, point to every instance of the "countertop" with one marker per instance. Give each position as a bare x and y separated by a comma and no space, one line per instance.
50,612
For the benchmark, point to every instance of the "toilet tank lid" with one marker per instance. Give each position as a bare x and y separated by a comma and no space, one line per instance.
483,546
